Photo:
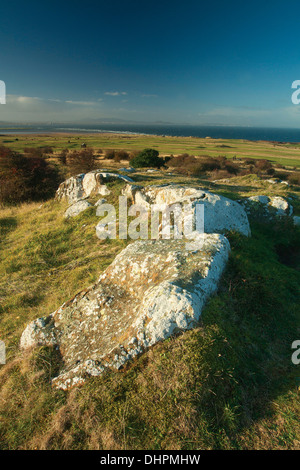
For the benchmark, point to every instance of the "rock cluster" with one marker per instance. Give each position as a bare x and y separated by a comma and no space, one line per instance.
84,185
77,189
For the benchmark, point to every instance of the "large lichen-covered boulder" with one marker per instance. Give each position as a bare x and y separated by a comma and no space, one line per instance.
152,290
86,184
220,213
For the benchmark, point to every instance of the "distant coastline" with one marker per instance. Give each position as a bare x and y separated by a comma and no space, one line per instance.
215,132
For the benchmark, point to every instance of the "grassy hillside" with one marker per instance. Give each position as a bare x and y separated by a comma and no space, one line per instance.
228,384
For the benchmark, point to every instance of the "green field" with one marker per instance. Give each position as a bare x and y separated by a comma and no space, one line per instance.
287,154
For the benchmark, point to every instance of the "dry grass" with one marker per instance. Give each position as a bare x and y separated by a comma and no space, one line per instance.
228,384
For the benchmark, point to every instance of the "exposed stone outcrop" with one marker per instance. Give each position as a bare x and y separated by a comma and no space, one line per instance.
267,206
220,213
152,290
277,181
71,189
86,184
77,208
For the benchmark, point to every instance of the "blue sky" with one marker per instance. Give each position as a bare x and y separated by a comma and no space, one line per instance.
223,62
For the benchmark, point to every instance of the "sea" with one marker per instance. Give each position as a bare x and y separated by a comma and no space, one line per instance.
215,132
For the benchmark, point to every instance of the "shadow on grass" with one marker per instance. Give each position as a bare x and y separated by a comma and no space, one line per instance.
209,387
232,191
204,389
253,321
7,225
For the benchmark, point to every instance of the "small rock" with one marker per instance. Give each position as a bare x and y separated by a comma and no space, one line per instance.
296,220
281,205
267,207
277,181
128,170
100,201
77,208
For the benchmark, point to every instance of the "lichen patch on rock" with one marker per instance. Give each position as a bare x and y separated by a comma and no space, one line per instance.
152,290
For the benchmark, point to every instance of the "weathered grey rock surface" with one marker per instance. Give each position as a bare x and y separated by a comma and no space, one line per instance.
86,184
220,213
266,206
152,290
277,181
77,208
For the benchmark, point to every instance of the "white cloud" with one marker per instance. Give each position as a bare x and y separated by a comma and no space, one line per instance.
22,99
145,95
21,108
81,103
236,111
115,93
34,109
251,116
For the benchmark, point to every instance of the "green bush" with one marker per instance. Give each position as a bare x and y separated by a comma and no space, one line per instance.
147,158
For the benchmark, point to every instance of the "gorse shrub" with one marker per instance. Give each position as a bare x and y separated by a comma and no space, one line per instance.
109,154
33,151
231,168
209,164
38,151
198,166
133,154
62,157
263,165
178,161
281,175
249,161
294,178
25,178
121,155
47,149
80,161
